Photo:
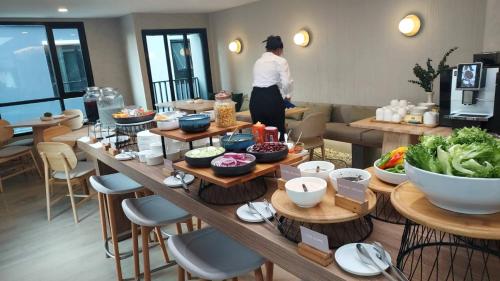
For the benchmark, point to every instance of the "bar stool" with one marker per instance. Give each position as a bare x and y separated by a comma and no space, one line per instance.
152,212
109,187
211,255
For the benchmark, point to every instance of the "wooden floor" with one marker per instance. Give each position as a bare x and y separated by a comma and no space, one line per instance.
32,249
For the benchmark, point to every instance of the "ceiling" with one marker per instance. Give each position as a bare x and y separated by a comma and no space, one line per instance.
109,8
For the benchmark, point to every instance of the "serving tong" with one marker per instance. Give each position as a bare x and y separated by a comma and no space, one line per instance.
367,259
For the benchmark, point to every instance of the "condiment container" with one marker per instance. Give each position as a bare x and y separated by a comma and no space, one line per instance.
394,103
271,134
403,103
90,103
387,114
402,111
143,155
431,118
396,118
379,114
110,101
225,110
258,130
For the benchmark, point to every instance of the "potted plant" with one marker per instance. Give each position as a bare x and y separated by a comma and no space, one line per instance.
426,76
47,116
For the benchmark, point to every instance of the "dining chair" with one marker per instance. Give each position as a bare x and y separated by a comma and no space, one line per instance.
75,123
313,128
61,165
6,135
50,133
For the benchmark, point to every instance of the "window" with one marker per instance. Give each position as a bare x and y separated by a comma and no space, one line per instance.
44,67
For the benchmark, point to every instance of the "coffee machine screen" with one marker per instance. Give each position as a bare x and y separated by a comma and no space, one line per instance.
469,76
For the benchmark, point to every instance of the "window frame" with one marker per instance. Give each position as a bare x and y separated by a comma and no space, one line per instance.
59,94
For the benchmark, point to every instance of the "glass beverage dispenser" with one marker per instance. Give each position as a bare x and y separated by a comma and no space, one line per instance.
110,101
90,103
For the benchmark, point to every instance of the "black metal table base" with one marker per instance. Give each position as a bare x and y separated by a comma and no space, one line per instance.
239,194
384,211
338,233
429,254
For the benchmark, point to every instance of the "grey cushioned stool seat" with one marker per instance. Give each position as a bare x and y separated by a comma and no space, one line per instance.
117,183
210,254
153,211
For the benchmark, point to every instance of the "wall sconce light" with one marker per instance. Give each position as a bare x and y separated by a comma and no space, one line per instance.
235,46
301,38
409,25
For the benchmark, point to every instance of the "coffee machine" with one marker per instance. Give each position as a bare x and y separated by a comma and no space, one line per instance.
470,94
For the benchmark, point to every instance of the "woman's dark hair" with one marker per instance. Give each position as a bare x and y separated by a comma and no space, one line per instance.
273,43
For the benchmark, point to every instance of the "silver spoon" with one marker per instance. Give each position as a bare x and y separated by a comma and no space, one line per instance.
180,175
383,256
367,259
304,187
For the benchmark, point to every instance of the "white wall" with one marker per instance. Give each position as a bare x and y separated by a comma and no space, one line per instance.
491,41
356,55
132,26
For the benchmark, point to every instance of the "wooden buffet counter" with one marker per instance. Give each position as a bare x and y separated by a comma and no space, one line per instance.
258,237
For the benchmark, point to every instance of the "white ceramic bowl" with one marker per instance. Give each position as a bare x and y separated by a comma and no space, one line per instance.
308,169
168,124
153,159
387,176
350,172
316,191
457,194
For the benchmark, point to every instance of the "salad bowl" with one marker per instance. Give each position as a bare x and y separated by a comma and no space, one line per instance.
389,177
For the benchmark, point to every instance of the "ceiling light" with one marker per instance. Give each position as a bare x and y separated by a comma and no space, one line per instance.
301,38
235,46
409,25
62,10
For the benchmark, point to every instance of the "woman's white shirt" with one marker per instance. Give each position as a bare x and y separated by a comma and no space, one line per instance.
270,70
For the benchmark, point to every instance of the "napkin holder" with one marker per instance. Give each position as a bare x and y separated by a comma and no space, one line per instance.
317,256
351,204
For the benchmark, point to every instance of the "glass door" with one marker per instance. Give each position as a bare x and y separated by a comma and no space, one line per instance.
178,64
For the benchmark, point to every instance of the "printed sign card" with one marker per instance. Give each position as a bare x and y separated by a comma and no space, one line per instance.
168,165
352,190
289,172
314,239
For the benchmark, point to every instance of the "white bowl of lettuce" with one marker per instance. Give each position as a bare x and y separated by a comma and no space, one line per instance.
394,175
460,173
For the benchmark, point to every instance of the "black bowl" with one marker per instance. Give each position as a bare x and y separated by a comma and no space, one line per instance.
194,123
233,171
238,142
135,119
269,157
203,162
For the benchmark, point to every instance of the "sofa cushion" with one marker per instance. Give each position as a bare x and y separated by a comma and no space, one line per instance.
350,113
343,132
372,138
291,124
314,107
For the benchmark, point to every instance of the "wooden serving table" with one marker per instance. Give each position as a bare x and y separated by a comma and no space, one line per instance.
384,210
462,247
288,112
234,190
212,131
190,107
340,225
396,135
258,237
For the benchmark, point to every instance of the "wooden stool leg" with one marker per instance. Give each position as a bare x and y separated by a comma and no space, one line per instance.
323,152
162,244
189,224
269,270
198,222
114,238
135,249
47,192
181,274
258,274
36,164
72,198
179,228
145,252
102,215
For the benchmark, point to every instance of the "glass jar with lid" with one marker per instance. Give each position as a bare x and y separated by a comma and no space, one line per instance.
90,103
225,110
110,101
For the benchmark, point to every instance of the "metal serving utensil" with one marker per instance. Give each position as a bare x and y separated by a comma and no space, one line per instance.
367,259
254,210
180,175
383,256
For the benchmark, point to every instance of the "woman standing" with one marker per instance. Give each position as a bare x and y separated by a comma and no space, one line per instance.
272,85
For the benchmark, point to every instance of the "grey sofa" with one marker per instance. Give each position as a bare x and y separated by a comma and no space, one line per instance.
366,143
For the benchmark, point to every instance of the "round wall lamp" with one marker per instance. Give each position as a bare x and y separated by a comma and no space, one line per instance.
409,25
235,46
301,38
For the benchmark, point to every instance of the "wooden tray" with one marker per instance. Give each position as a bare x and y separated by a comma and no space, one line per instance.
261,169
404,123
213,130
325,212
412,203
378,185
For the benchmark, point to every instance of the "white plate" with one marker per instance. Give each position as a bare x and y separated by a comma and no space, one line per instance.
175,182
123,157
347,258
245,214
58,116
